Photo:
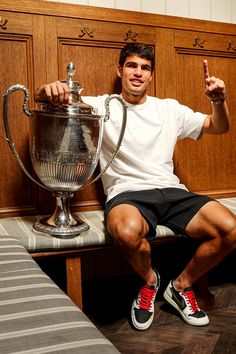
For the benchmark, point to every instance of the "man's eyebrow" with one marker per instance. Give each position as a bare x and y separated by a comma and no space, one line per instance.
131,62
135,63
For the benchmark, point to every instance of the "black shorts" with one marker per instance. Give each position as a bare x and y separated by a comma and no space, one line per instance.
172,207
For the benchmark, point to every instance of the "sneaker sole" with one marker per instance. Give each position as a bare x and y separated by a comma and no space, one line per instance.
202,322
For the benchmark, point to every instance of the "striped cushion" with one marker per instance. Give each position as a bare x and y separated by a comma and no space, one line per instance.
21,228
35,315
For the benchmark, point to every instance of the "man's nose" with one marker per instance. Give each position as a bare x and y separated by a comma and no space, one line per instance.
138,71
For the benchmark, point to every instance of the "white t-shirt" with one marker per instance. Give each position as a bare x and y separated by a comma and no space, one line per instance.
145,158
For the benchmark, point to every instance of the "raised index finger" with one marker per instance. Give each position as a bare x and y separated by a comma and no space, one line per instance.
205,69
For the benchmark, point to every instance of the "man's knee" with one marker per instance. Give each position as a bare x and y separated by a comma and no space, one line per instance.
127,234
127,230
126,225
224,233
227,232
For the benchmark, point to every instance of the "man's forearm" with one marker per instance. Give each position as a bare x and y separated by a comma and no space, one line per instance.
220,117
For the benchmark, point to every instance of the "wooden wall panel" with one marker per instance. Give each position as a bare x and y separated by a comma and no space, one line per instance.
39,39
13,179
209,166
18,195
95,65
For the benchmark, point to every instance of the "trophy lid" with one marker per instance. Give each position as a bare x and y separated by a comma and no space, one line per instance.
78,106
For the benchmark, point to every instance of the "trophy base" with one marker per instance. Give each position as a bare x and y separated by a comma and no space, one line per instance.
63,231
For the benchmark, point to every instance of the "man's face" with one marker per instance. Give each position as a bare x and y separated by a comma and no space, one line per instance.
135,76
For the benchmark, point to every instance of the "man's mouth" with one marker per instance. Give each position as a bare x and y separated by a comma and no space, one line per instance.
136,82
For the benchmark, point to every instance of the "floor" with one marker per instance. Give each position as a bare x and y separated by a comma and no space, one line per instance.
111,300
107,302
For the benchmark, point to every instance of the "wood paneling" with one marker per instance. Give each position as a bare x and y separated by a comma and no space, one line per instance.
22,57
12,47
39,39
209,166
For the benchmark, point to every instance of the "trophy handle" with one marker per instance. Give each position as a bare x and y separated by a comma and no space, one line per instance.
26,110
122,131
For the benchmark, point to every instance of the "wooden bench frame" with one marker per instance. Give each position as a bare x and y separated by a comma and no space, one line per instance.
74,286
74,266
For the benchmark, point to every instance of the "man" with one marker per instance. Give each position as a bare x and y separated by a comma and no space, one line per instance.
142,190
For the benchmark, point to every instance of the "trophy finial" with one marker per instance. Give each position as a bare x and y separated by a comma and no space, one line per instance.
70,70
70,73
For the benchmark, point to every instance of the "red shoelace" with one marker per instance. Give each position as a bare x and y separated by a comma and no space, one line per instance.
146,296
191,299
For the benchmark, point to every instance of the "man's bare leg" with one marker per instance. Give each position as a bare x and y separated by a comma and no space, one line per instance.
215,225
128,228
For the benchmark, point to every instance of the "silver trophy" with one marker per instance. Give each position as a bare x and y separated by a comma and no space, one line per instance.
65,143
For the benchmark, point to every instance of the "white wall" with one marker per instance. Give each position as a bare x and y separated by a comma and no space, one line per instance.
215,10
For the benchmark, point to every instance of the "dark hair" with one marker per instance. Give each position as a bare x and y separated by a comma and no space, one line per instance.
139,49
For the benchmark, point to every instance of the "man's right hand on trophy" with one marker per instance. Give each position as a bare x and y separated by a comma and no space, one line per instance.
56,92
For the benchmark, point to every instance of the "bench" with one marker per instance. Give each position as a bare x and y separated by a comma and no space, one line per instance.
41,245
35,315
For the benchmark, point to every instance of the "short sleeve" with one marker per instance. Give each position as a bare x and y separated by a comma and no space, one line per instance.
189,122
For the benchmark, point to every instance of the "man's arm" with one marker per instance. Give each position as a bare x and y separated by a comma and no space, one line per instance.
219,121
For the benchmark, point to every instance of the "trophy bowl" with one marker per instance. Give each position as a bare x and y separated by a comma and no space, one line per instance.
65,143
64,160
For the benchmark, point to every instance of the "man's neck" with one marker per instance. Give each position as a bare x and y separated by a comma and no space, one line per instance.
134,99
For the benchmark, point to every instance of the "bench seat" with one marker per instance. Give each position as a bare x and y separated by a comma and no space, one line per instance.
21,228
35,315
34,241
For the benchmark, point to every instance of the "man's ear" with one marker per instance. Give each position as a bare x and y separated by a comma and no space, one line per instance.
119,71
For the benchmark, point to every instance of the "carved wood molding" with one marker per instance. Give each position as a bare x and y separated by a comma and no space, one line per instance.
198,42
3,23
231,46
130,35
85,30
206,52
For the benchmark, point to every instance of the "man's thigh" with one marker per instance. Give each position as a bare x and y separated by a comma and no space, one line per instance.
211,220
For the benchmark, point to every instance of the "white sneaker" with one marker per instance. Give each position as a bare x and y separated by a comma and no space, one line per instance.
186,304
142,311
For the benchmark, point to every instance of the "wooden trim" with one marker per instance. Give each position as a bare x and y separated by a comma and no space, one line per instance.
219,194
115,15
18,211
81,250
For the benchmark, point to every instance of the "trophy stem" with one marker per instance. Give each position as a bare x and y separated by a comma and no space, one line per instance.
62,224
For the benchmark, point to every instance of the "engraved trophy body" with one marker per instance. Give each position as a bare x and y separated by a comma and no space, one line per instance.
65,143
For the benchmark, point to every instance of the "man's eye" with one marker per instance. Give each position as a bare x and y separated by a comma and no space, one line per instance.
147,68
